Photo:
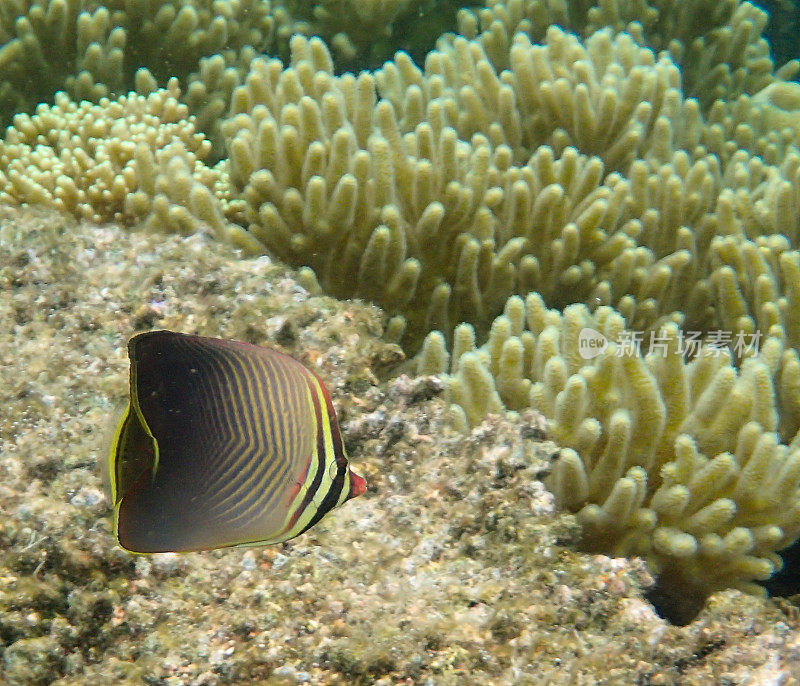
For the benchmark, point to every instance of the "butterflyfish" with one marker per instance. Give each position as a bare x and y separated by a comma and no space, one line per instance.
222,444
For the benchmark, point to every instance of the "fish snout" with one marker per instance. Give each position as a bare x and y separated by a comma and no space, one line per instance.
358,485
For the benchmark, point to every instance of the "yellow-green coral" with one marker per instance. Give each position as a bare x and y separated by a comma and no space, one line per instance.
679,462
135,158
717,45
439,193
460,186
364,33
93,49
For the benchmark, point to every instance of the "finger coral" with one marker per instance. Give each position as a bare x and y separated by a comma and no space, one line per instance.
135,158
92,49
717,45
681,463
438,194
366,32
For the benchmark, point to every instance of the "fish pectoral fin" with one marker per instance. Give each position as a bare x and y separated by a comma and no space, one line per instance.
133,453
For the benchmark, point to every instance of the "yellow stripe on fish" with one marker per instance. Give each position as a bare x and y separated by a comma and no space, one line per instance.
222,444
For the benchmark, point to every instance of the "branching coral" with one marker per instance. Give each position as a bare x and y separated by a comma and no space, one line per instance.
485,164
93,49
717,45
680,463
134,158
364,33
461,186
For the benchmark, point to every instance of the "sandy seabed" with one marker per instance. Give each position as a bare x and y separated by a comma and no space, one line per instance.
454,567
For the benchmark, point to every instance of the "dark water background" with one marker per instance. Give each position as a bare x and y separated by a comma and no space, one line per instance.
783,34
783,29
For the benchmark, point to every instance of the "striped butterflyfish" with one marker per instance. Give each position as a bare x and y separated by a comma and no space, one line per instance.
222,444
